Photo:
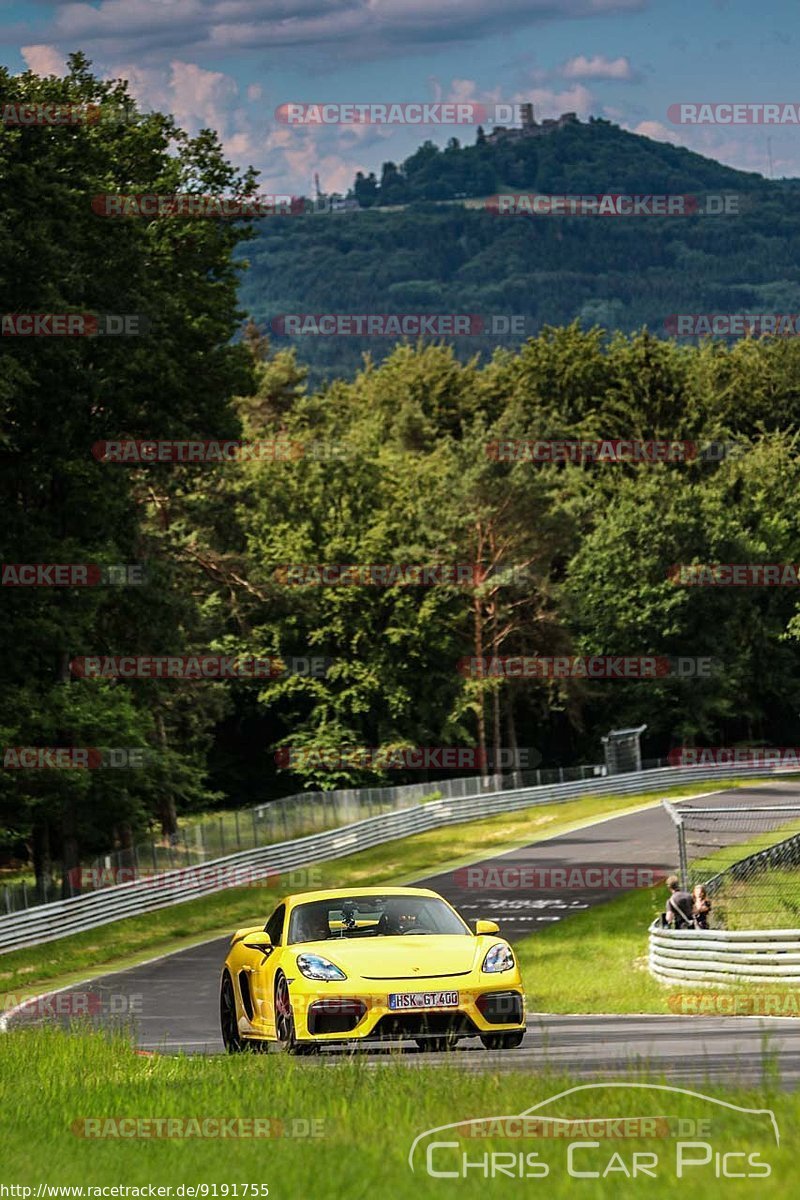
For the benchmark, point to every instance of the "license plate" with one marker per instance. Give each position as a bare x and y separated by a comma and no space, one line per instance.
399,1000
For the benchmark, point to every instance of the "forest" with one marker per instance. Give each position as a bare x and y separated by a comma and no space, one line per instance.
391,462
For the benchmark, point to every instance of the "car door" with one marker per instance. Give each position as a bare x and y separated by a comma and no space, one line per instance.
261,969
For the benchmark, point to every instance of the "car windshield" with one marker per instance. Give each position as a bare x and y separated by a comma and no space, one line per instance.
372,916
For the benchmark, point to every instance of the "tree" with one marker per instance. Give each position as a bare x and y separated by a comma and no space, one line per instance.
62,395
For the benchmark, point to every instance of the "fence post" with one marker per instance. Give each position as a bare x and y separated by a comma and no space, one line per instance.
238,836
255,830
684,868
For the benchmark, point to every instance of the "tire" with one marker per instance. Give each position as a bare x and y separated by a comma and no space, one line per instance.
228,1020
284,1021
503,1041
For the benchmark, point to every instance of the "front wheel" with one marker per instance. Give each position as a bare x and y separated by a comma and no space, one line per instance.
284,1021
228,1020
503,1041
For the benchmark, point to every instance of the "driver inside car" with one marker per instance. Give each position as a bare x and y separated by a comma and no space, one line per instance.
394,921
314,925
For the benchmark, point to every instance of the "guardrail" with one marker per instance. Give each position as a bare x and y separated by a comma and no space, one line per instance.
724,956
48,922
217,835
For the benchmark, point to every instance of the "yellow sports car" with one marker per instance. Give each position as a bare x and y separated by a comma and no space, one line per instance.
369,964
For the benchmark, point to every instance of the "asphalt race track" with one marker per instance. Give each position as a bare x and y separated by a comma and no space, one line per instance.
172,1002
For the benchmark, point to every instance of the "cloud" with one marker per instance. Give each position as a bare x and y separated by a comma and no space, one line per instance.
599,67
658,132
359,28
550,103
44,60
286,158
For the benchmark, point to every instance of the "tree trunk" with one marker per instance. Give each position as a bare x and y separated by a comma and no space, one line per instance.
511,726
40,853
70,858
477,610
494,605
166,802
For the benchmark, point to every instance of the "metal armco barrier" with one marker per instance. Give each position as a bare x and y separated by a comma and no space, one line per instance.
48,922
725,956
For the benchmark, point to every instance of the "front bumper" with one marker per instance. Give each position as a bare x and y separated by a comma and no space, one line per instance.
357,1011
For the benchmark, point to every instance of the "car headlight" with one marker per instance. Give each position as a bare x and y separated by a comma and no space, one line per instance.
499,958
314,966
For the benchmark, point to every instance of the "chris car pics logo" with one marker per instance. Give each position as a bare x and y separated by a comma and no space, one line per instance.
664,1133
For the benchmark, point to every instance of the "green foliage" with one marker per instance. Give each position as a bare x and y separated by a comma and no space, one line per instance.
60,395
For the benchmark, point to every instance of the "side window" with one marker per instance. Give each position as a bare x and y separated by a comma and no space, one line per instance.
274,926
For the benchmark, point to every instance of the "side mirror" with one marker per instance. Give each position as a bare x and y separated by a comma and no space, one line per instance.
486,927
260,942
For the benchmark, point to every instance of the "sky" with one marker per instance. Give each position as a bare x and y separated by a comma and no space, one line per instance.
229,64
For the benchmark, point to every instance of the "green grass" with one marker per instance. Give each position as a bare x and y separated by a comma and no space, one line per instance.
595,961
366,1119
768,900
136,938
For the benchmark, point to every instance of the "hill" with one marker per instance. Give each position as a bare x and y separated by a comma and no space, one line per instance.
439,254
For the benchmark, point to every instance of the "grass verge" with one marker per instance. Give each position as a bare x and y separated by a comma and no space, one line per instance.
366,1120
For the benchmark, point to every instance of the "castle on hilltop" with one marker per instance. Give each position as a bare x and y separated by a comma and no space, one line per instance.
530,126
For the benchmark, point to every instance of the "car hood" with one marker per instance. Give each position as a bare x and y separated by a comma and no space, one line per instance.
411,956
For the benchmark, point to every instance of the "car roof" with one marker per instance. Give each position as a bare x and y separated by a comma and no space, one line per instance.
335,893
